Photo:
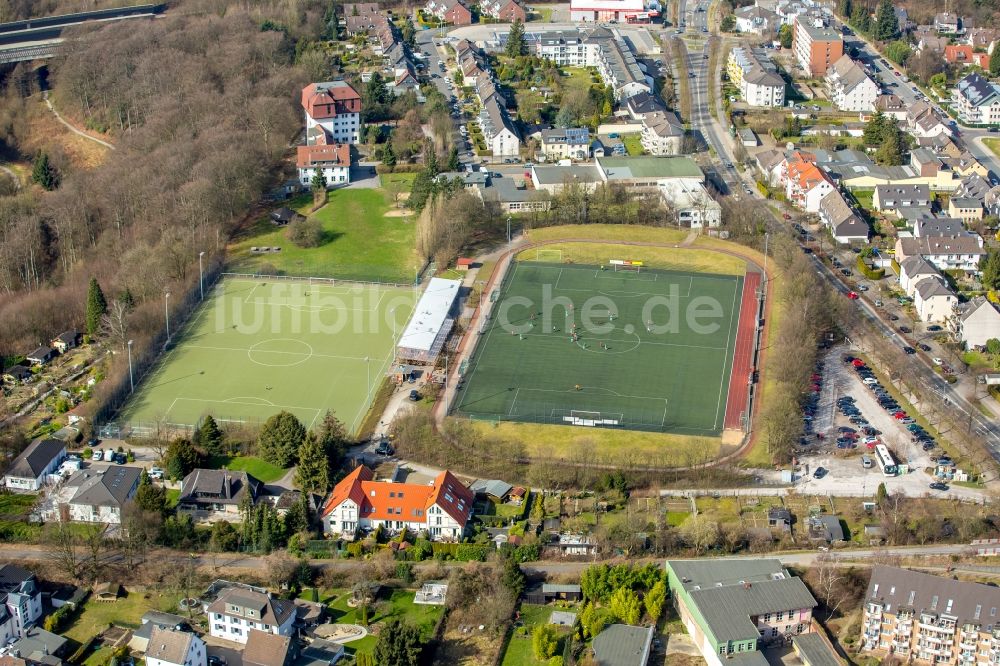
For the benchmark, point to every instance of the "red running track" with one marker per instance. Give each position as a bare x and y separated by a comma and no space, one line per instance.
739,384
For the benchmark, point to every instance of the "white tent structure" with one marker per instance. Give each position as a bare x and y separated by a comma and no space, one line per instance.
430,324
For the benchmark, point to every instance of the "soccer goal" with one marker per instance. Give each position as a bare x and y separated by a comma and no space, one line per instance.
552,256
589,418
625,265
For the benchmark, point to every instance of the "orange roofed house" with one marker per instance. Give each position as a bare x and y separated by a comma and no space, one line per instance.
806,184
441,509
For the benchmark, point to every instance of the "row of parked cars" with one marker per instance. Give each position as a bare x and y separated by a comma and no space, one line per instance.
887,402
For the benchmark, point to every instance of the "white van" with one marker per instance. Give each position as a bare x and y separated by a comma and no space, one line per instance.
109,455
866,462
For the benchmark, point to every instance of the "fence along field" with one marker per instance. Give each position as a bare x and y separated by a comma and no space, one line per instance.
627,375
261,345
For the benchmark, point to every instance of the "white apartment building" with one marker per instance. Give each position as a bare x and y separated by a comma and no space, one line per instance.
977,100
20,602
930,619
757,78
335,108
238,611
851,89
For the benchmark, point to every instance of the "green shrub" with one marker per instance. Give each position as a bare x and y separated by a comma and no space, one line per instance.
868,271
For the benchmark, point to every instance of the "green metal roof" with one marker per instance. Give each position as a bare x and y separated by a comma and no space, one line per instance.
623,645
731,571
649,167
727,610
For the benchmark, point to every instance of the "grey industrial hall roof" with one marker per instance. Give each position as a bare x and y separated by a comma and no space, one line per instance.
705,573
623,645
815,651
755,658
34,459
557,174
727,609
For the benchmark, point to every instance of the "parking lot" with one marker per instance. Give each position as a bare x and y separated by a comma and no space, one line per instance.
845,473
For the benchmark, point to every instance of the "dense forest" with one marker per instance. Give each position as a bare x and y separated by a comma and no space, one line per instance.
201,107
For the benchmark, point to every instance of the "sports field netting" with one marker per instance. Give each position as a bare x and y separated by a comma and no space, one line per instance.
656,354
260,346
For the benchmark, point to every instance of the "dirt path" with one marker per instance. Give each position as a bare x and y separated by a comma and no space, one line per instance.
72,128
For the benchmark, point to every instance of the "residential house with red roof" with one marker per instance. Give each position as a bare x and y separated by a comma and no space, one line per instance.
335,108
504,10
441,509
805,183
450,11
332,161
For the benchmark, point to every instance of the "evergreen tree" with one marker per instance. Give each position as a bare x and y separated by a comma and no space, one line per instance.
388,156
990,266
181,457
845,8
398,644
430,159
298,518
280,439
875,130
313,472
44,173
149,497
409,32
995,61
513,578
375,91
332,435
655,600
890,153
544,642
453,163
318,181
126,299
97,307
624,604
860,18
515,40
210,436
886,24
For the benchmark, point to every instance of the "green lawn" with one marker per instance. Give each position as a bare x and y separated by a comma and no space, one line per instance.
399,605
255,467
541,15
173,495
15,504
96,616
520,650
633,144
993,145
361,242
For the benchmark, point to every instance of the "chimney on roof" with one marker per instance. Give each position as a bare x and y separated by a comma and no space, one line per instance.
227,483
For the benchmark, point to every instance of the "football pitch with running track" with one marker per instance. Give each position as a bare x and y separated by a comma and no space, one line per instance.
593,346
261,345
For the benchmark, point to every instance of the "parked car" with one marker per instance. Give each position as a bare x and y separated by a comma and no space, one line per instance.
937,485
98,455
384,448
909,350
109,455
414,395
934,328
852,295
905,329
924,347
155,473
819,472
937,361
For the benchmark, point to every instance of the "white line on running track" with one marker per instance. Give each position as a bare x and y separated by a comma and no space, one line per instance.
735,317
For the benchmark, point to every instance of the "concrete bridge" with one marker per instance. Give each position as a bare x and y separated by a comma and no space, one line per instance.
39,38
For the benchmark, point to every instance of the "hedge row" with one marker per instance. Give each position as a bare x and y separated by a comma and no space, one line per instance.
868,271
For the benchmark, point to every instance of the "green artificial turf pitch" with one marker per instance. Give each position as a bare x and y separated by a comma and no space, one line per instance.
619,372
258,346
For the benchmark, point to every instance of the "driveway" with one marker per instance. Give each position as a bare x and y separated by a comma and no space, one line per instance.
364,176
230,652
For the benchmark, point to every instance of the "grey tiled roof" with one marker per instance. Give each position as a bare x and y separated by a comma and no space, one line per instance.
34,459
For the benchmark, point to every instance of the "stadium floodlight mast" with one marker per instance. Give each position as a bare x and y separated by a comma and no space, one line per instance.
508,232
201,276
368,367
166,311
131,381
